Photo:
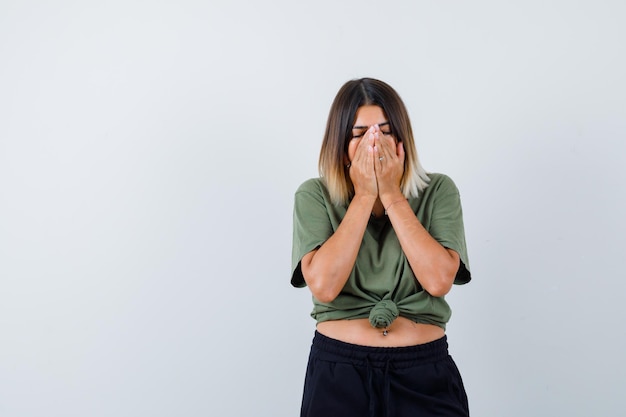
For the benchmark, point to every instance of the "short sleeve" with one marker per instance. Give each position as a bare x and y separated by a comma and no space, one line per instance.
311,225
447,225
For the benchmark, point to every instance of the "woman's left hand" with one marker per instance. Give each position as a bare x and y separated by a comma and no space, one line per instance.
389,166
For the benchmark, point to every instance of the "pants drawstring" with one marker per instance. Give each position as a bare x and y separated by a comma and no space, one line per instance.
387,382
370,386
386,388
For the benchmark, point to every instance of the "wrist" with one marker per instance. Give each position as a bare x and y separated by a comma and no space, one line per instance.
391,198
389,206
364,199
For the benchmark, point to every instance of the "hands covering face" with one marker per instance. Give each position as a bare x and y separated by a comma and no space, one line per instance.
378,163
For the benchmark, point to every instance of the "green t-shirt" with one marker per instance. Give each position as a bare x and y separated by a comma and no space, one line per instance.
381,275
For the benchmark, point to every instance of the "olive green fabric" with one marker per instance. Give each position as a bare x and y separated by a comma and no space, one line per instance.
381,272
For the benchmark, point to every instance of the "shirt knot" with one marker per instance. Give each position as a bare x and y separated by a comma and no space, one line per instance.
383,314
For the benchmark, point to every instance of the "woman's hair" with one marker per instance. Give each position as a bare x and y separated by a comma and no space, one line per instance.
342,116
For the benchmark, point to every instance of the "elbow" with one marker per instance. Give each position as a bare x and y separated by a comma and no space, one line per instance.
438,290
442,276
323,293
440,285
325,299
324,285
319,281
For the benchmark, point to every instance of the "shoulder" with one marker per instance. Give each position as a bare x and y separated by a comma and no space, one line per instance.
312,192
312,186
441,184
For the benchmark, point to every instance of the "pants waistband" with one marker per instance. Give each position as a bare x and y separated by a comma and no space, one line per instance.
381,356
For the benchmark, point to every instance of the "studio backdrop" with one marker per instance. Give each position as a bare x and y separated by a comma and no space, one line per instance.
149,153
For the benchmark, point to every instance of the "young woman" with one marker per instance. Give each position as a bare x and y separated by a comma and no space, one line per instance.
379,243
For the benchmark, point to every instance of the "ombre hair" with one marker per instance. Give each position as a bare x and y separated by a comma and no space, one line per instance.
341,119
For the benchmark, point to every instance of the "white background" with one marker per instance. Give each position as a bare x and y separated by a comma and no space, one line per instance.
149,151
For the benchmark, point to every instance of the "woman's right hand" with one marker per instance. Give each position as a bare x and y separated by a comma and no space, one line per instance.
362,172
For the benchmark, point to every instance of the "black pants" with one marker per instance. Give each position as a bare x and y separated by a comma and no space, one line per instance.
346,380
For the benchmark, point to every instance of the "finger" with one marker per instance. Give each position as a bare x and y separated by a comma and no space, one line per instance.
384,139
384,148
377,154
391,143
366,140
371,134
400,150
357,149
361,150
369,168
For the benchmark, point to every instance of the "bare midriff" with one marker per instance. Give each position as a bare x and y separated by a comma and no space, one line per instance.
402,332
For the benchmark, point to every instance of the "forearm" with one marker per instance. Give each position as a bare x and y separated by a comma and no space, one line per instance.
327,269
433,265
